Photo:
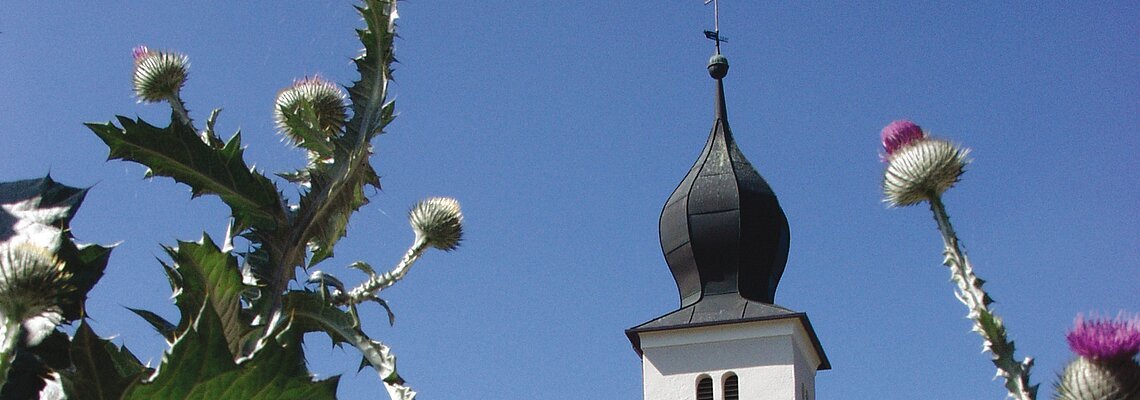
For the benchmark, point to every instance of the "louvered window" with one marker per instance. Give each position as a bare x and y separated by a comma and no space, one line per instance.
705,389
731,387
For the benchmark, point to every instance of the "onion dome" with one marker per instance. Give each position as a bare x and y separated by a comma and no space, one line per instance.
722,230
725,239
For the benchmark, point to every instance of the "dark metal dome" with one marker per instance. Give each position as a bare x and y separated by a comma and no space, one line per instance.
722,229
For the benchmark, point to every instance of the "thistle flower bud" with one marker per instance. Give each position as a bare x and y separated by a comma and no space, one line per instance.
158,75
1088,379
32,282
918,167
326,100
437,222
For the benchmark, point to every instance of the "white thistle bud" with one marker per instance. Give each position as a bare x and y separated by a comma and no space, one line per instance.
437,222
158,75
921,169
1087,379
33,282
1105,367
326,99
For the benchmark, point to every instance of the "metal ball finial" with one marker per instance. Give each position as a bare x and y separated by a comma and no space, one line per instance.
718,66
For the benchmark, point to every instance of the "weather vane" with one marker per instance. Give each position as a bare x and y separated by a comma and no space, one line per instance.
714,34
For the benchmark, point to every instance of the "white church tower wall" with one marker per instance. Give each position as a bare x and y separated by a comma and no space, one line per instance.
772,360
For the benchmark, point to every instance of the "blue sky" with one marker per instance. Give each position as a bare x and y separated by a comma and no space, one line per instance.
563,127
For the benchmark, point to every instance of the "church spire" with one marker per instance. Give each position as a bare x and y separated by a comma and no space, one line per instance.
725,239
722,230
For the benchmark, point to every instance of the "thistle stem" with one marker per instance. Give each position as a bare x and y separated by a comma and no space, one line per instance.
179,109
9,339
986,323
383,281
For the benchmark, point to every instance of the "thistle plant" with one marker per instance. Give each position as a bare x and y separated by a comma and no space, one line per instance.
1105,367
920,168
241,324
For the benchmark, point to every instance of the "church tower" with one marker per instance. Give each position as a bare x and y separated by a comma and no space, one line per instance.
725,239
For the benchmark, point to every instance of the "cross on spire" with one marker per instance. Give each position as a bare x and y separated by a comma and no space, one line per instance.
714,34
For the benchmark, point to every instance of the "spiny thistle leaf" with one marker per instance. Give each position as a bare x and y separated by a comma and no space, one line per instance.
36,201
388,308
369,93
330,218
338,191
161,325
85,263
102,370
199,366
179,153
209,135
304,130
205,274
312,313
259,268
34,367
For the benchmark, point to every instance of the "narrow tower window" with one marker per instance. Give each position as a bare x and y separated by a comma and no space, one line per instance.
731,387
705,389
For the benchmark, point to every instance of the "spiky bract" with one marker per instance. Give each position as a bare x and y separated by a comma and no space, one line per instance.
33,283
1089,379
438,222
158,75
325,99
922,169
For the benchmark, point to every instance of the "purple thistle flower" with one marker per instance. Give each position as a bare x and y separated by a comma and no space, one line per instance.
139,52
1102,339
898,134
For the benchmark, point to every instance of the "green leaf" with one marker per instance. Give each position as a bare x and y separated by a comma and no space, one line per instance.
330,213
54,350
200,366
25,379
164,327
179,153
312,313
384,303
369,93
363,267
102,370
210,135
86,264
304,125
204,274
31,203
338,189
33,365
